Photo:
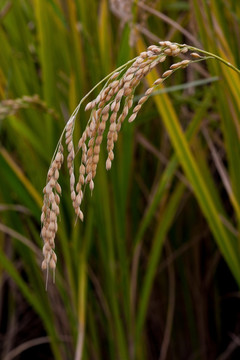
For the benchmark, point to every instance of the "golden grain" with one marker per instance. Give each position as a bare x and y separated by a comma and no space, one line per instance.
108,111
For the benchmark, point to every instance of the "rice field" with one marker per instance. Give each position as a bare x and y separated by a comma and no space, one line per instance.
119,187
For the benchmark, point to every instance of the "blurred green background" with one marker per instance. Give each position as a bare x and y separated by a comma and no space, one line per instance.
154,270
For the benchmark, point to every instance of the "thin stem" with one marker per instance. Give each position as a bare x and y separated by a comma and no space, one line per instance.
192,48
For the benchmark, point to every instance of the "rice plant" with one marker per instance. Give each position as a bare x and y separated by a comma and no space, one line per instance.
153,271
109,109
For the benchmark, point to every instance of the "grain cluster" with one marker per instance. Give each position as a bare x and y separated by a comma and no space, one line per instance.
107,113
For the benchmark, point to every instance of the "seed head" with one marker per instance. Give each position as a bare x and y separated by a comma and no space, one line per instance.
108,111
